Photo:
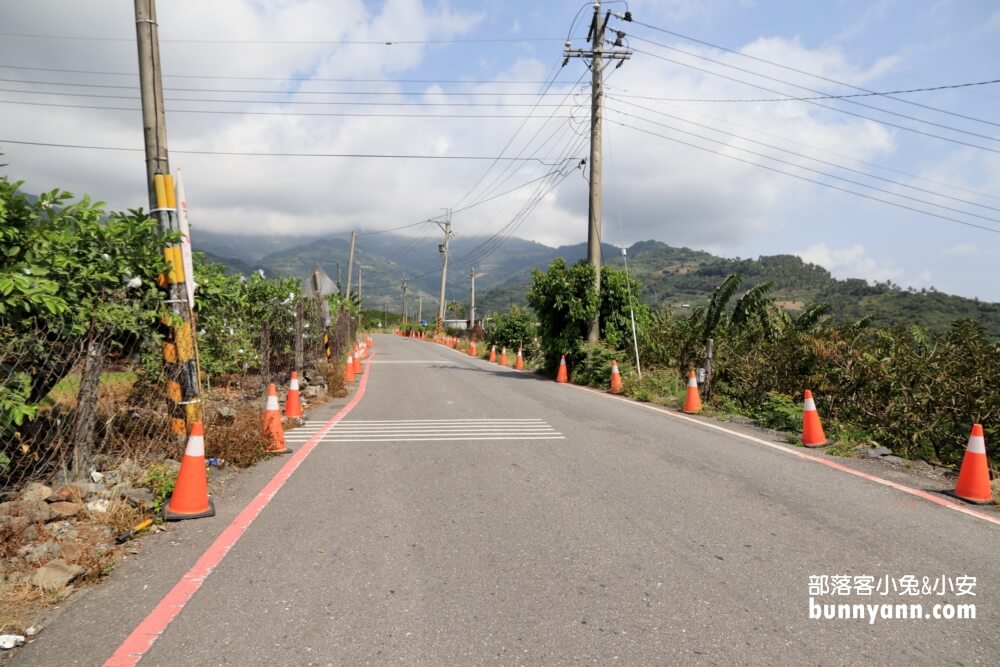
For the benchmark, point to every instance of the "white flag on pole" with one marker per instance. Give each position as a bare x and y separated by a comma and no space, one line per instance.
185,230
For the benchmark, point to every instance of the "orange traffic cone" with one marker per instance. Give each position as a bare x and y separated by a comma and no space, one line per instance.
812,429
974,476
519,364
472,348
293,404
493,354
503,357
349,369
692,402
357,364
616,379
562,376
190,497
273,431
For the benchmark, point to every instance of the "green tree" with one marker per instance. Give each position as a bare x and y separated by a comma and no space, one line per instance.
565,302
513,329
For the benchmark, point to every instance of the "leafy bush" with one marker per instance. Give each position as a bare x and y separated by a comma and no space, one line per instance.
514,329
780,412
594,369
160,479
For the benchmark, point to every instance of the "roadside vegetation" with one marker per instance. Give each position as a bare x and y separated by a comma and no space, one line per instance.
86,450
915,392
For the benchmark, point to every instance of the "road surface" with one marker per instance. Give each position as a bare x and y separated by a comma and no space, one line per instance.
465,514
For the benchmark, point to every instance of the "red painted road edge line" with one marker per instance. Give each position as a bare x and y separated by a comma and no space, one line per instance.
150,628
930,497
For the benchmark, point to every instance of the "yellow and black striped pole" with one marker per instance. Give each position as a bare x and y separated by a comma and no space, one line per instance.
180,361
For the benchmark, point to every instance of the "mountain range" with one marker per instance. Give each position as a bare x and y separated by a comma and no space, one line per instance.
681,277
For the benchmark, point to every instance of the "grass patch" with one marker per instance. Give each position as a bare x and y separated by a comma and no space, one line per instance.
113,382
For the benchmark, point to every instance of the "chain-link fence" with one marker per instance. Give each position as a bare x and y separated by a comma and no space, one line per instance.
74,402
70,401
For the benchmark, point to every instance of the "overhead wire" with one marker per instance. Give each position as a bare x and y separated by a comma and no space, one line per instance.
551,79
818,97
291,42
818,104
401,156
176,89
286,102
821,92
814,75
801,155
275,113
810,169
237,77
826,151
811,180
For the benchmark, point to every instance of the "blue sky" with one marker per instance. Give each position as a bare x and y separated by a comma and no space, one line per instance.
654,187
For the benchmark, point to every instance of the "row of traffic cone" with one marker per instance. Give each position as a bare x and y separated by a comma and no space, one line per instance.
973,483
190,499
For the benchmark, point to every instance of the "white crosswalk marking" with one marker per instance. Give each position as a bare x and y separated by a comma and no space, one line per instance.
428,430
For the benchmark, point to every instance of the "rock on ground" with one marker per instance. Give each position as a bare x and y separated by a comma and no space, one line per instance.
56,574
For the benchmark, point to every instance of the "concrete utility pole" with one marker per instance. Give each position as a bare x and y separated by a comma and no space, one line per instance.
472,299
154,124
340,284
443,248
183,383
420,309
596,55
350,263
402,287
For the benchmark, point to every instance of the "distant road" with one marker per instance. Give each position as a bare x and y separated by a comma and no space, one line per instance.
465,514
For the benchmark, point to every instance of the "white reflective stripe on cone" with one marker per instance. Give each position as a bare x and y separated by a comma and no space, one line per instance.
810,405
977,445
294,384
272,403
195,446
692,382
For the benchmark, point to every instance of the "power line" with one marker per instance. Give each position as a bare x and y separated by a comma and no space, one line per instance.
310,102
810,180
499,237
275,113
500,179
295,42
399,156
810,169
551,79
824,106
819,92
271,78
785,150
805,99
835,153
280,92
816,76
395,229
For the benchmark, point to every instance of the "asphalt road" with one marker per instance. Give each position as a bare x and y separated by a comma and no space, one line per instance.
465,514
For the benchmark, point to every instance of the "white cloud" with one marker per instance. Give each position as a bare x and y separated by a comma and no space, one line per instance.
850,262
660,188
